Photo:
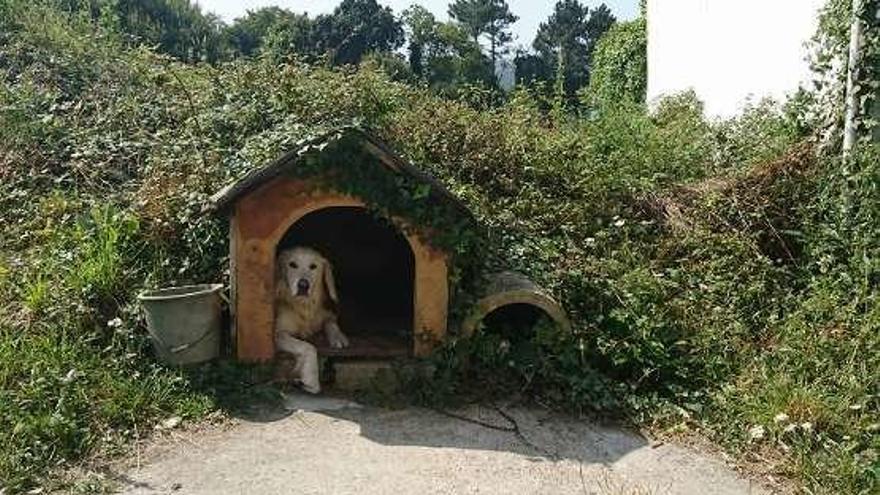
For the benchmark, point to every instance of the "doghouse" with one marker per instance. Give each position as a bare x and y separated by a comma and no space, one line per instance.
392,283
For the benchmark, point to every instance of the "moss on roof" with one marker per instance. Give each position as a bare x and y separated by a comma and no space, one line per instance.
347,136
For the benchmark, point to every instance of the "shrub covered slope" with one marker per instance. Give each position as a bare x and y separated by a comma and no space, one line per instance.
720,276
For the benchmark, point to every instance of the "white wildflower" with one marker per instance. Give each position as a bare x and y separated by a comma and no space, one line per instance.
756,432
170,423
70,376
781,418
115,323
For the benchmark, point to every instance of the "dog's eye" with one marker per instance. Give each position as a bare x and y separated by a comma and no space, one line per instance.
313,266
293,264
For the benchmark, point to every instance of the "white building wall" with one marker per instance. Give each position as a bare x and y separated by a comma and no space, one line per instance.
729,50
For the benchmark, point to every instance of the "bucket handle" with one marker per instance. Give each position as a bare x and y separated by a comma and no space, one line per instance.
180,348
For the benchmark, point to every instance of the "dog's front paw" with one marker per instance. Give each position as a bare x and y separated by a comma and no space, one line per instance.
338,340
313,386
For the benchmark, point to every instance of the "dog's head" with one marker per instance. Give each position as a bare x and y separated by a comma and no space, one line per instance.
305,273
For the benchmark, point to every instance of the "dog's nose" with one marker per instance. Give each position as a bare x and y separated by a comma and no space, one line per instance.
302,285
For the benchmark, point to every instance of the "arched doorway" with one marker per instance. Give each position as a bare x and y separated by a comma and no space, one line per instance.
374,268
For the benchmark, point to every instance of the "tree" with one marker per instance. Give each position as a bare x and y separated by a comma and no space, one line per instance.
444,55
421,26
273,28
600,21
491,18
355,28
498,29
565,42
455,60
531,68
176,27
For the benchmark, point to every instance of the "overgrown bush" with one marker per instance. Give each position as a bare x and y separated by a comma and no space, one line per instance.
718,275
619,71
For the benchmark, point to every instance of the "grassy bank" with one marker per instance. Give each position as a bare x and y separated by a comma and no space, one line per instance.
721,277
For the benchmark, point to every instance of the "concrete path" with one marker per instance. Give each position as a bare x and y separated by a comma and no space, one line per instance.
333,446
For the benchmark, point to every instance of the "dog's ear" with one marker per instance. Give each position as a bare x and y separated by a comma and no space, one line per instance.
329,282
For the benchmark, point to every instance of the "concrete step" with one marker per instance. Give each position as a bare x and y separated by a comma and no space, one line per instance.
360,374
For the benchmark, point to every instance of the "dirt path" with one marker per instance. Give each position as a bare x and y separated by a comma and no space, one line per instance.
328,445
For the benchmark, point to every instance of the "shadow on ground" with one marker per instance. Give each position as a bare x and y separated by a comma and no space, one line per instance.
525,431
248,394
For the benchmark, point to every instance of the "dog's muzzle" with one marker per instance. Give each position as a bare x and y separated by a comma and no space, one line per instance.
302,287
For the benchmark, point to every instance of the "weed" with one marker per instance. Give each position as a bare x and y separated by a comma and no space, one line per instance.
35,294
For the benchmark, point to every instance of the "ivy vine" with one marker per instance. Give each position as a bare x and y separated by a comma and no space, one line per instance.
341,164
620,64
829,60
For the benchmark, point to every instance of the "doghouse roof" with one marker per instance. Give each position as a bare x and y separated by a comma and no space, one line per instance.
226,197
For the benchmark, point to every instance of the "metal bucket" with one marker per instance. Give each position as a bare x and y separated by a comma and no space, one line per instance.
184,322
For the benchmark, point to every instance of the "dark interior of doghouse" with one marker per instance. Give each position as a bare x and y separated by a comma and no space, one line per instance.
374,269
515,322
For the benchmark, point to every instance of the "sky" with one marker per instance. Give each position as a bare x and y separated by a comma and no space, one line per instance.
530,12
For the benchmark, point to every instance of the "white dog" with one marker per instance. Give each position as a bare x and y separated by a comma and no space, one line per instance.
304,287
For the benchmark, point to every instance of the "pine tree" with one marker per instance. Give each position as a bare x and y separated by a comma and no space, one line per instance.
490,18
